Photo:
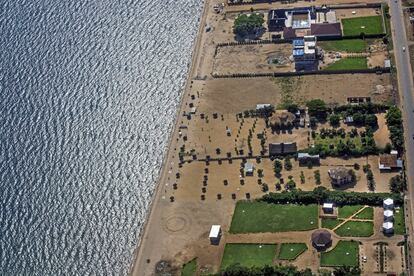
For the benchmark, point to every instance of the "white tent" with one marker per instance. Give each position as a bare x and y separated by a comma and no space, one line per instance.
388,227
388,203
388,215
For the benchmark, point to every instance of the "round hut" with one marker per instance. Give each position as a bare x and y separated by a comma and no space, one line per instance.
321,239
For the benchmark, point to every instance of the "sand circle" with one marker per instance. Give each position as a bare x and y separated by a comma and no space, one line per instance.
176,223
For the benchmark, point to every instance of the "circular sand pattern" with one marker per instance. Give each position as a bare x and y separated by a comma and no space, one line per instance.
176,223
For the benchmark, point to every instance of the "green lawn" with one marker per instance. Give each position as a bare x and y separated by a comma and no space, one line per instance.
345,253
348,64
347,211
330,223
366,25
258,217
290,251
345,45
399,223
367,213
356,229
189,269
248,255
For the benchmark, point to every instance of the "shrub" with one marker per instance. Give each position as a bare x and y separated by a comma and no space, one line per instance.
302,177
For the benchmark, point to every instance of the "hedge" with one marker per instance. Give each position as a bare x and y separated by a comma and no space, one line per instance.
321,194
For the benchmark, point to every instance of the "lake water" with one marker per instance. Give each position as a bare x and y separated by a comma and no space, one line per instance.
88,95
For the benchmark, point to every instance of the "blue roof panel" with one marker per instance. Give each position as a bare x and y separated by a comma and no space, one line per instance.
298,42
298,52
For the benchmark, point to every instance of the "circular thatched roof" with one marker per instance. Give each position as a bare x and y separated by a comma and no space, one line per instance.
321,238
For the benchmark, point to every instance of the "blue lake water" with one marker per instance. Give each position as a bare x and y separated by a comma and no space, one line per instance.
88,95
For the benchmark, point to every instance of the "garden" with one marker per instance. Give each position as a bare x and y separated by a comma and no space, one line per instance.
259,217
369,25
351,63
356,229
345,253
290,251
345,45
248,255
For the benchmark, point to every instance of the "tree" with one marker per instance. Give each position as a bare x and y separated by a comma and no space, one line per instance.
288,164
359,119
371,120
397,184
317,108
245,25
347,271
277,167
334,120
313,121
302,177
290,185
260,173
317,175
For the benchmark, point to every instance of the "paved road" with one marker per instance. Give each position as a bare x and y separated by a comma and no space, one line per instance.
405,81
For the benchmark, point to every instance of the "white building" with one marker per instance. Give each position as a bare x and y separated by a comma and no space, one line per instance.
215,234
328,207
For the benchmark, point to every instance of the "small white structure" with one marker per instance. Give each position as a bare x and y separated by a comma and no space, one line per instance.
215,234
388,204
328,207
193,110
388,228
388,216
248,169
263,106
387,63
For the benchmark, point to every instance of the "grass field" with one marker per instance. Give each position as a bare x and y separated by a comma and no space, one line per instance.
189,269
327,141
345,253
345,45
367,213
330,223
258,217
248,255
356,229
290,251
399,223
348,64
366,25
347,211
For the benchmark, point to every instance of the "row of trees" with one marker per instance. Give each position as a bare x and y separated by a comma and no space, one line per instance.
321,194
394,123
238,270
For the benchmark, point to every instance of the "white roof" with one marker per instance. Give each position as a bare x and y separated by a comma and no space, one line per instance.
328,205
248,167
394,152
387,63
388,201
387,225
388,213
215,231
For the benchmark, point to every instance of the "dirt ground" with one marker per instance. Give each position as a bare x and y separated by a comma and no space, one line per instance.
226,96
347,13
253,58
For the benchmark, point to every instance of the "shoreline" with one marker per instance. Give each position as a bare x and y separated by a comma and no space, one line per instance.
137,258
